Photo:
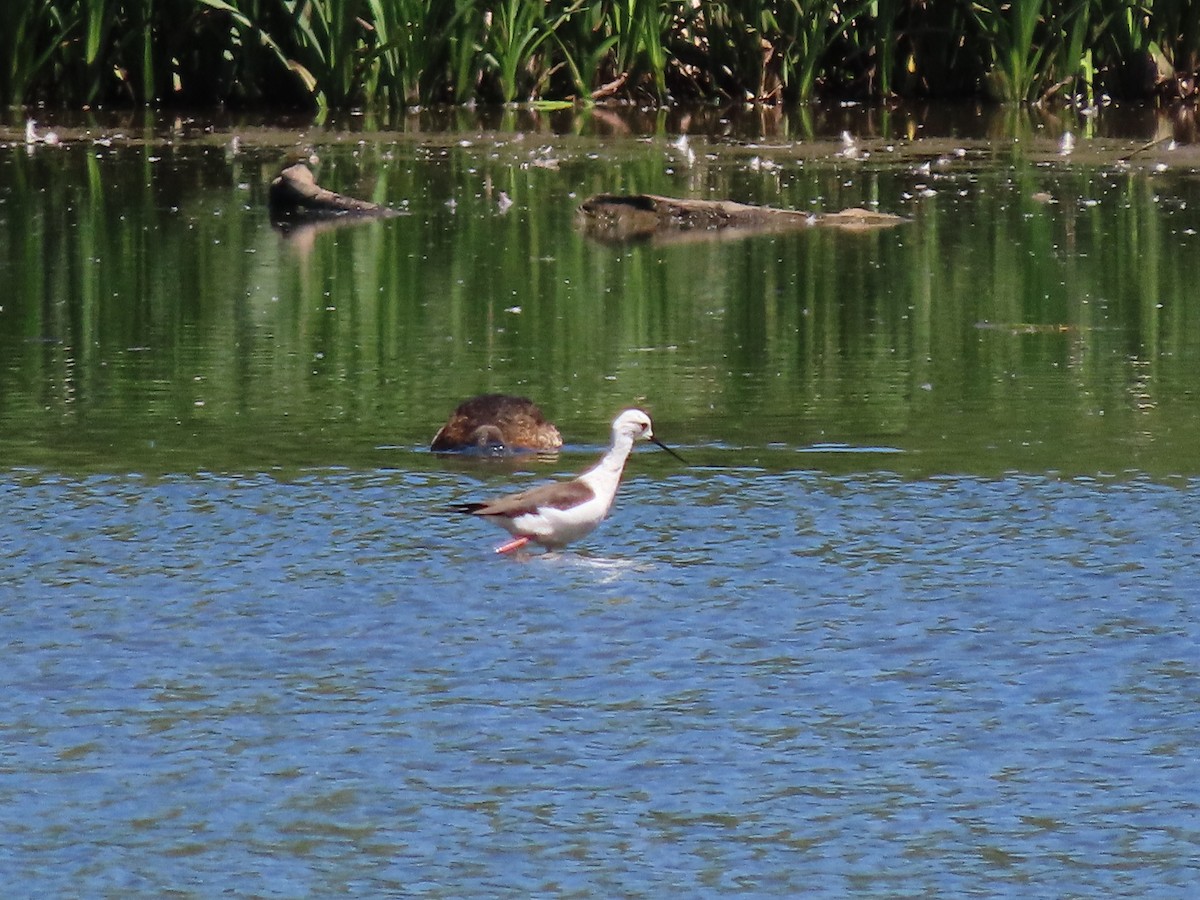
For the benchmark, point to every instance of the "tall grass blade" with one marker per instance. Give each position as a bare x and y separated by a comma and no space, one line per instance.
336,53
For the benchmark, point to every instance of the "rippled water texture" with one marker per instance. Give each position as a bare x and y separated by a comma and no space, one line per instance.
918,618
744,683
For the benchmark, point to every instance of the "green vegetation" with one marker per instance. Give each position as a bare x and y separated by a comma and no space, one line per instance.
339,53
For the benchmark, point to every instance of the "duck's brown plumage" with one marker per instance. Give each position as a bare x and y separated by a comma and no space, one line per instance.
517,422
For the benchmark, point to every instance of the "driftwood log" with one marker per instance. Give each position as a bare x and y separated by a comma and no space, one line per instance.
621,218
296,197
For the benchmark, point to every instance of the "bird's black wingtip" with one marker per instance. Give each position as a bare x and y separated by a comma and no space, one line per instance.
464,508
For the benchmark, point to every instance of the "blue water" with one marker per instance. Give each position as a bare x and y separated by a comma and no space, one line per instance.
743,684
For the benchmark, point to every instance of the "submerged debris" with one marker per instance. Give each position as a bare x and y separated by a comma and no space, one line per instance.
620,218
296,197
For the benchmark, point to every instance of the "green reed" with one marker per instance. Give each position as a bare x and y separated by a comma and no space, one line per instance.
340,53
27,45
1032,46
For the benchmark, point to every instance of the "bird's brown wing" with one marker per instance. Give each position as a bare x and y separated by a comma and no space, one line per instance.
560,495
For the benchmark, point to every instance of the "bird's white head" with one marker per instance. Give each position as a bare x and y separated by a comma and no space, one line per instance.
632,424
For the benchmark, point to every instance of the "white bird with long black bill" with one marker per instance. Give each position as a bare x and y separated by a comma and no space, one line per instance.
555,514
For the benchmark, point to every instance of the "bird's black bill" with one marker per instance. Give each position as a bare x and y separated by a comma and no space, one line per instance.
669,450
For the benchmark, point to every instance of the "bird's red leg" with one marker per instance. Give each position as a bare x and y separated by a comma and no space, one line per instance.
514,544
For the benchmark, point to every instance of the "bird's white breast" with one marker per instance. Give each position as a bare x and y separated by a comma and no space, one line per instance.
556,527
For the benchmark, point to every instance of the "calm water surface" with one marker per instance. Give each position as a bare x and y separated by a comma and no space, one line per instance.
918,620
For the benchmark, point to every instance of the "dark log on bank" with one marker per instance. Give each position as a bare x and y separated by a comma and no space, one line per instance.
620,218
296,197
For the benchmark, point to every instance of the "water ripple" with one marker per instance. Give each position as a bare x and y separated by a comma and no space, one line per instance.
745,682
